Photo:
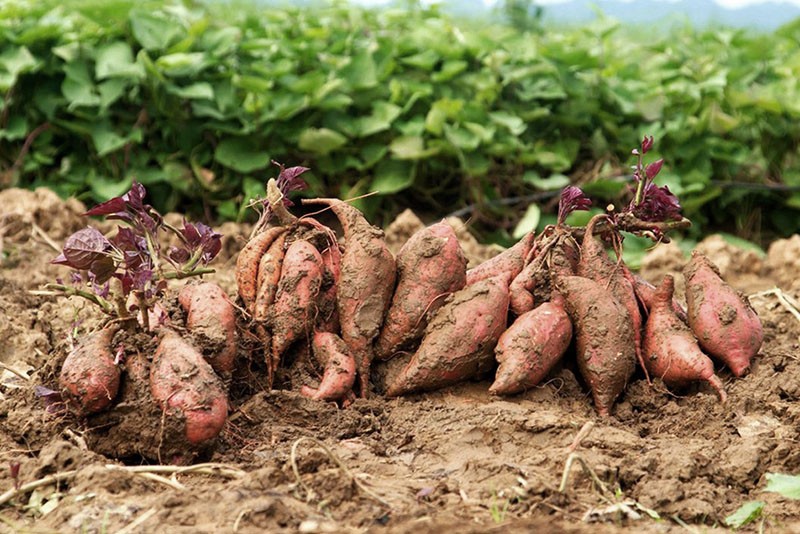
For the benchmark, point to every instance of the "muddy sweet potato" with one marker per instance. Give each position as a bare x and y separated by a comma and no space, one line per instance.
430,266
604,338
269,274
328,317
211,318
89,378
531,346
460,339
295,307
366,284
646,293
724,323
671,351
186,388
339,366
247,264
509,262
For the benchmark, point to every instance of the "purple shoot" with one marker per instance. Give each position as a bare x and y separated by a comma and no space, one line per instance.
572,199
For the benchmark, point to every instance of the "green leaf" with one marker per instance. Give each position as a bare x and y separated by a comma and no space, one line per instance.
442,110
195,91
241,154
115,60
424,60
104,188
461,138
16,128
78,87
551,183
747,513
514,124
320,140
154,30
15,61
785,485
111,90
743,244
361,72
410,147
528,222
105,139
181,63
381,119
392,176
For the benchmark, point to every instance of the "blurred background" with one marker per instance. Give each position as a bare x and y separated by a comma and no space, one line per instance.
482,109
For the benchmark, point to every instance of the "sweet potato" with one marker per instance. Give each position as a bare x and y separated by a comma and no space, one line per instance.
247,264
723,321
186,388
211,318
295,305
339,368
328,318
460,339
646,293
269,274
366,284
596,265
430,266
89,378
671,351
531,346
604,338
509,262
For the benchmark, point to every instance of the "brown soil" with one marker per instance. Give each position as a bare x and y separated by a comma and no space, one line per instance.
456,459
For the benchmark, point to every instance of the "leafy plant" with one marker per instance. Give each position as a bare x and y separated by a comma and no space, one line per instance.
785,485
133,258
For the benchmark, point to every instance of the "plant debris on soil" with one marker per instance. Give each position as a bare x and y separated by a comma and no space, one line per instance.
456,458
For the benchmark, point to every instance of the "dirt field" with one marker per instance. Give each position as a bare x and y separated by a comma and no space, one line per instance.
455,460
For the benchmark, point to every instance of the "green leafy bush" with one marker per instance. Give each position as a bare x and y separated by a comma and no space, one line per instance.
193,101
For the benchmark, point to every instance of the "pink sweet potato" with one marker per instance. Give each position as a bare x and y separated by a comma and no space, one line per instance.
269,274
647,292
723,321
531,346
211,318
604,338
295,305
328,318
247,264
509,262
340,368
460,339
89,378
430,266
186,388
671,351
366,284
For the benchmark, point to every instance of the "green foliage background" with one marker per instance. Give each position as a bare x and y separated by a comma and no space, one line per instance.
194,101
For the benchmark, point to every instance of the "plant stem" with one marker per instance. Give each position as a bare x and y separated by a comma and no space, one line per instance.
106,306
642,178
180,275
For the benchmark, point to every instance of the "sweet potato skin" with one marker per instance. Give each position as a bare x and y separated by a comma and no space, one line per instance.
430,266
460,339
89,378
722,319
339,368
509,262
294,310
247,264
646,293
269,274
531,346
671,351
328,318
604,338
211,318
185,386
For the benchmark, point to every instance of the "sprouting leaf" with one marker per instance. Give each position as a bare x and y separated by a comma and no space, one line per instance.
746,514
785,485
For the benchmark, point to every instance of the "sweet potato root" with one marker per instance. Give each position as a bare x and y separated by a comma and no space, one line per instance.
460,339
247,264
210,317
725,324
269,273
89,378
531,346
671,351
430,266
366,284
339,368
509,262
295,305
604,338
647,292
186,387
328,318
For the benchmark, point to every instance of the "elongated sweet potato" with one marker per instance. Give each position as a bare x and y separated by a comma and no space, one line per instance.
366,284
339,373
269,274
724,323
604,338
596,265
671,351
328,318
647,292
89,378
247,264
531,346
295,305
186,388
211,318
509,262
430,266
460,339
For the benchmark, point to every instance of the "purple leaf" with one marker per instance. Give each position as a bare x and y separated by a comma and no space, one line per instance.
202,236
647,144
133,200
178,255
53,402
83,248
658,204
109,207
572,199
289,180
653,169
